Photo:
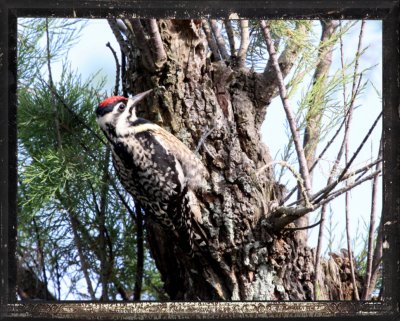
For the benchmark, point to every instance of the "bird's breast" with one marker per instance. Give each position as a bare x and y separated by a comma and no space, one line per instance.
146,168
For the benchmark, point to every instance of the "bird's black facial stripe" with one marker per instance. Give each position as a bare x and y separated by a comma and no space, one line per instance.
101,111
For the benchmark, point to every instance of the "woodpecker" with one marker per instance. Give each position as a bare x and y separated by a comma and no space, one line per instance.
154,166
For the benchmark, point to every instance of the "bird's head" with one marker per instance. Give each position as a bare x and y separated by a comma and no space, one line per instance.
116,110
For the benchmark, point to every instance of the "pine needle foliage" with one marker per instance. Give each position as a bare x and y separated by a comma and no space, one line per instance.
74,231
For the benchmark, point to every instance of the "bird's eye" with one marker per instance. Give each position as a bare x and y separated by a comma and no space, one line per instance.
121,106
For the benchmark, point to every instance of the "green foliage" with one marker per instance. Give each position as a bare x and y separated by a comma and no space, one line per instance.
71,223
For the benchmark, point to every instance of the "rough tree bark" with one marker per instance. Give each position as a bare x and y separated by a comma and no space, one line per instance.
221,104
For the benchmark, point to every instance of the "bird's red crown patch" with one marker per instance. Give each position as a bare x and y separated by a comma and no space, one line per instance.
112,100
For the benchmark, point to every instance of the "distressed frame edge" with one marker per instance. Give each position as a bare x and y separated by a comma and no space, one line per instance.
9,15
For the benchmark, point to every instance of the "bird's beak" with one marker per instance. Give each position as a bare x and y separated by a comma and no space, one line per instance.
139,97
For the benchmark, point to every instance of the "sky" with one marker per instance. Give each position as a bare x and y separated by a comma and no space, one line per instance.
90,55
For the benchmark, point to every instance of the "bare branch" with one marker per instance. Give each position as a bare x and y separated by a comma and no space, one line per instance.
286,105
347,129
339,155
244,42
332,183
41,255
371,232
231,36
220,40
284,215
123,75
79,246
329,186
352,159
155,39
341,149
52,87
359,48
318,251
348,187
117,69
210,39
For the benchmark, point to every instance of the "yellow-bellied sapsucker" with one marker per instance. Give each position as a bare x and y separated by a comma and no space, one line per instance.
155,167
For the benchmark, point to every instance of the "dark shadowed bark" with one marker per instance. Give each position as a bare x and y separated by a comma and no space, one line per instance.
221,104
29,285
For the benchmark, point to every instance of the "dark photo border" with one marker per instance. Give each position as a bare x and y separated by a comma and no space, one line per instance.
385,10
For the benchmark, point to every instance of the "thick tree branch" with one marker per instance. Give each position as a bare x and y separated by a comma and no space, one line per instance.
155,41
136,28
304,227
244,43
211,41
231,36
219,39
117,33
315,109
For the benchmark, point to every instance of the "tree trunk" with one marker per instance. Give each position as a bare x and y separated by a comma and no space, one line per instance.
195,96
